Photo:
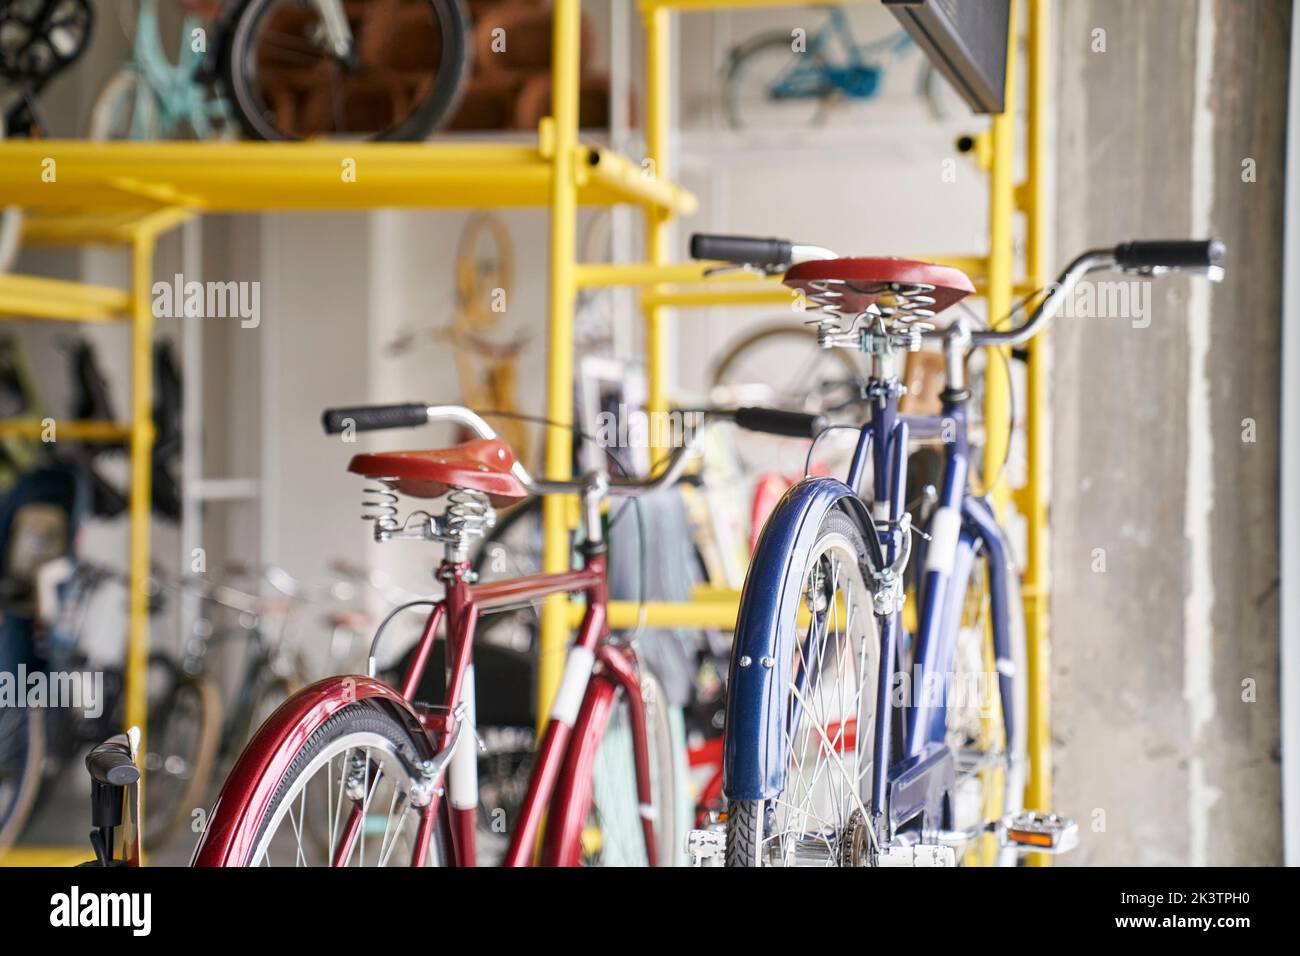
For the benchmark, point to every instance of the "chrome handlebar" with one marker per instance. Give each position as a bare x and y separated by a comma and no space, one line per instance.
594,482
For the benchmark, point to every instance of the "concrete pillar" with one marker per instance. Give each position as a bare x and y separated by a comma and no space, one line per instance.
1170,123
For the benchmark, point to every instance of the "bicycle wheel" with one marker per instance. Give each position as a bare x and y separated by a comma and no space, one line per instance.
181,749
990,769
361,756
22,756
124,109
11,226
265,697
782,366
819,818
770,86
613,836
11,234
400,79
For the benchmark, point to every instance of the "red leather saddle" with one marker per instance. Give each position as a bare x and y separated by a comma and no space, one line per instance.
851,285
482,465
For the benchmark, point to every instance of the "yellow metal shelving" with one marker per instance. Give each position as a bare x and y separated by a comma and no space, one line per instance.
130,193
25,298
95,184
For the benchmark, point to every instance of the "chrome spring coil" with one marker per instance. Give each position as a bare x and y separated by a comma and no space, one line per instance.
379,504
898,304
469,514
907,301
827,319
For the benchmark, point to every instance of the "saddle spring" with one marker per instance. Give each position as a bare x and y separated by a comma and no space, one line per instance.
902,307
379,504
469,514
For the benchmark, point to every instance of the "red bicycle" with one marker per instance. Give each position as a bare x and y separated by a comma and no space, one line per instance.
353,771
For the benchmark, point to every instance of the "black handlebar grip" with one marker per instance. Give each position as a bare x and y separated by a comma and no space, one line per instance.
774,421
369,418
741,249
1170,254
110,763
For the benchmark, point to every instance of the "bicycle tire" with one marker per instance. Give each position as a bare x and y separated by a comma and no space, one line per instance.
436,109
169,816
11,226
744,57
355,727
265,698
1001,785
123,90
29,782
838,553
610,791
798,336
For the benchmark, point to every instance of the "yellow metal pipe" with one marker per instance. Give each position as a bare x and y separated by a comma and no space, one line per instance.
554,635
625,179
708,592
623,615
96,178
76,430
599,275
1038,794
137,648
998,273
657,27
109,226
61,300
44,856
704,296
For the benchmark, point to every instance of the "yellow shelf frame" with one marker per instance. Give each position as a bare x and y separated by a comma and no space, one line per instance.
60,300
24,298
96,185
130,193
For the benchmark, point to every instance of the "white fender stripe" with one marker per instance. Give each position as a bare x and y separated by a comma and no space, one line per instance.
577,671
941,550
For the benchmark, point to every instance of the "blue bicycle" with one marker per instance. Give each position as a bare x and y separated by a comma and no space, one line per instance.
780,78
850,741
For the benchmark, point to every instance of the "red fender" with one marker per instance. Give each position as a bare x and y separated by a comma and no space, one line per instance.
233,823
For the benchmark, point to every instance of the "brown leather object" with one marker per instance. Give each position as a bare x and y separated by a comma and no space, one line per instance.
484,464
488,102
397,39
534,102
856,283
400,35
527,38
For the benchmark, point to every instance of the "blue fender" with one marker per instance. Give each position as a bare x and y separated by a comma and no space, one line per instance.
754,759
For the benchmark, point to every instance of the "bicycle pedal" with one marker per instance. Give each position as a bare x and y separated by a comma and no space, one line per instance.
1033,832
918,855
707,847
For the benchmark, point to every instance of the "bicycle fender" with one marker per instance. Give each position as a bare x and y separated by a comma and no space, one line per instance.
232,825
754,752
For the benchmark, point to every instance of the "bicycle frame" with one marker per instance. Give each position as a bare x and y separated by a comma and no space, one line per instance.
857,74
559,791
596,671
174,87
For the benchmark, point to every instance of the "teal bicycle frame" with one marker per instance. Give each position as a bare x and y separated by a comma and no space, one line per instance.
177,96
